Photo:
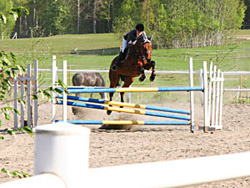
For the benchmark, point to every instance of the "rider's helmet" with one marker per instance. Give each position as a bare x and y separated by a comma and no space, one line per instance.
139,27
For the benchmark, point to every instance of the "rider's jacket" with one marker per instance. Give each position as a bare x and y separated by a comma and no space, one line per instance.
131,35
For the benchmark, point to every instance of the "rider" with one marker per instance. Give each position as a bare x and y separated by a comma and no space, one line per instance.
129,38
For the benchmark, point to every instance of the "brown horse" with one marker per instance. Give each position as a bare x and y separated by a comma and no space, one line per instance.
138,59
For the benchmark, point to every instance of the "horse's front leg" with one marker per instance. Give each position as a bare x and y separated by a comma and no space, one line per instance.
122,97
152,76
143,76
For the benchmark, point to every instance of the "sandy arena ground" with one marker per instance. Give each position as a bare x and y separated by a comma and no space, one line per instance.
141,144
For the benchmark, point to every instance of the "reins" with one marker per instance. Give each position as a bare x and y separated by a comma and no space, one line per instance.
138,55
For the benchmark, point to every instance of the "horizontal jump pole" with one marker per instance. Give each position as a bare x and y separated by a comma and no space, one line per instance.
133,89
115,103
125,122
132,111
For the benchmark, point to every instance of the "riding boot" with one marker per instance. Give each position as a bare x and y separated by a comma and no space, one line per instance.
119,61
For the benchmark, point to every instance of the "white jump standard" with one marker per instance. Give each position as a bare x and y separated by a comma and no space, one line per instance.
208,101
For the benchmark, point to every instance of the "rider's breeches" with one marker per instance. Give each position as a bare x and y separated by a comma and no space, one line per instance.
124,45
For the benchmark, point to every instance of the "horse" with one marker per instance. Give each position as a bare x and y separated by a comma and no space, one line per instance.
88,79
137,60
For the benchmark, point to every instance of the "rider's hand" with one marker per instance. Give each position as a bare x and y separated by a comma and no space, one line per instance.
134,42
130,43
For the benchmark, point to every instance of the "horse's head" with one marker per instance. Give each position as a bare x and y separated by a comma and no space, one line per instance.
146,49
143,49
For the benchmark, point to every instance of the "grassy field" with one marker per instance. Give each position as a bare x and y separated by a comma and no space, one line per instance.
96,51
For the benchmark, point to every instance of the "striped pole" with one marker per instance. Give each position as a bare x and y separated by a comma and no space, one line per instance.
115,103
125,122
133,89
132,111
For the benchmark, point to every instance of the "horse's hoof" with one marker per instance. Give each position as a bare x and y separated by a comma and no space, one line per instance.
152,78
114,68
141,79
109,112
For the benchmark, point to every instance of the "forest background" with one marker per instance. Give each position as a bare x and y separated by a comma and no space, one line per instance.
174,23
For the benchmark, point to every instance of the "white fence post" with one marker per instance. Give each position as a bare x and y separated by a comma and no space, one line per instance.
54,75
62,149
221,100
213,97
26,95
61,157
191,81
201,84
205,96
64,93
22,104
35,93
29,108
15,103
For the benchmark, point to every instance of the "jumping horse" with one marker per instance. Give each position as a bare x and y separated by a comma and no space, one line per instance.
138,59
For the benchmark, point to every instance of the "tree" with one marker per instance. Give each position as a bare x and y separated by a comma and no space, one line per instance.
129,16
5,8
54,17
246,23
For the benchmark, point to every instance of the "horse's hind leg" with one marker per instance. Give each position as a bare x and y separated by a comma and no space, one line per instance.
110,98
122,97
113,83
127,82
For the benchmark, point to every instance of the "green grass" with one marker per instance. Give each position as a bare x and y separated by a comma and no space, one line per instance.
96,51
62,43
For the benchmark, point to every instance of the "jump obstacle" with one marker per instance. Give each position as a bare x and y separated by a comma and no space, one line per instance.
26,95
212,101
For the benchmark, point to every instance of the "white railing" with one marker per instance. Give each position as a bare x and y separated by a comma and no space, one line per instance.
61,160
30,82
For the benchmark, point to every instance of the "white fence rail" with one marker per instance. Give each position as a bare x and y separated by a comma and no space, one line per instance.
26,95
66,165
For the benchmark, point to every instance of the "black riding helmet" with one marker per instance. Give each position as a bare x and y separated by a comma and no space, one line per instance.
140,27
